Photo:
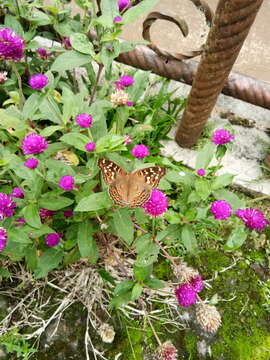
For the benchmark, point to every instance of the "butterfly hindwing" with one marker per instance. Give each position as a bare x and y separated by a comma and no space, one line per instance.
110,170
152,175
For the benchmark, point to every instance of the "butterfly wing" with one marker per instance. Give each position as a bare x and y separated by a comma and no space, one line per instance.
152,175
110,170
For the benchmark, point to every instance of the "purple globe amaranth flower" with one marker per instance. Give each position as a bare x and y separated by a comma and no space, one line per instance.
127,140
43,53
38,81
119,86
157,203
90,146
186,295
31,163
66,182
21,221
46,214
67,43
34,144
126,80
68,213
253,218
122,4
140,151
18,193
201,172
222,137
6,206
129,103
221,209
11,45
117,19
197,283
84,120
3,238
52,239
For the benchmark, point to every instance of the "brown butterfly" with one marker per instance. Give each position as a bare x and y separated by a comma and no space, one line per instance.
130,189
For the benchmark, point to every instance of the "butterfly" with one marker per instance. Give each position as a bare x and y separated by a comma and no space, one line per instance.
130,189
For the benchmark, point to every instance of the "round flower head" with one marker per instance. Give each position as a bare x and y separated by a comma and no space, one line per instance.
117,19
126,80
68,213
127,140
18,193
34,144
3,238
129,103
31,163
197,283
186,295
140,151
46,214
90,146
3,76
38,81
11,45
122,4
66,182
84,120
208,317
43,53
253,218
201,172
221,137
166,351
6,206
157,203
21,221
221,209
119,97
52,239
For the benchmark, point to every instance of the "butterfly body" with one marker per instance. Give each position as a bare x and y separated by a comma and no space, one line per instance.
130,189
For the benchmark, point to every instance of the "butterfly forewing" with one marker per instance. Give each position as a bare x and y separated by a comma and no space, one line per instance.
110,170
152,175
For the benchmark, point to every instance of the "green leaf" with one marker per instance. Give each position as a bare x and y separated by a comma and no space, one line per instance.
94,202
8,121
109,143
31,215
120,300
140,9
106,276
205,156
188,238
12,23
140,83
230,197
236,239
203,188
109,10
49,130
69,104
75,139
4,273
136,292
50,110
109,51
86,243
69,60
123,225
154,283
49,260
142,273
55,202
123,287
19,236
31,258
31,105
222,181
81,43
147,255
40,17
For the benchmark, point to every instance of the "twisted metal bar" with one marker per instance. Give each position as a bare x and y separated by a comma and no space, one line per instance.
232,22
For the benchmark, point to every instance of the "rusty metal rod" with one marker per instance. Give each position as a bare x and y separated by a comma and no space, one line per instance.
232,22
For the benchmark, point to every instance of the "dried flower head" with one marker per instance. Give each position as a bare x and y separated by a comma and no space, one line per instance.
43,53
253,218
38,81
34,144
127,140
11,45
7,206
185,295
3,238
157,203
208,317
46,214
106,333
166,351
184,273
222,137
119,97
221,209
3,76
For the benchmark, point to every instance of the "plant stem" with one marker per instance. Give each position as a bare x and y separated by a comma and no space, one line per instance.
264,197
154,331
154,227
100,68
19,79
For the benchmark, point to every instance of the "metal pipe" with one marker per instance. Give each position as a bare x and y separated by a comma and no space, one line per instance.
232,22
